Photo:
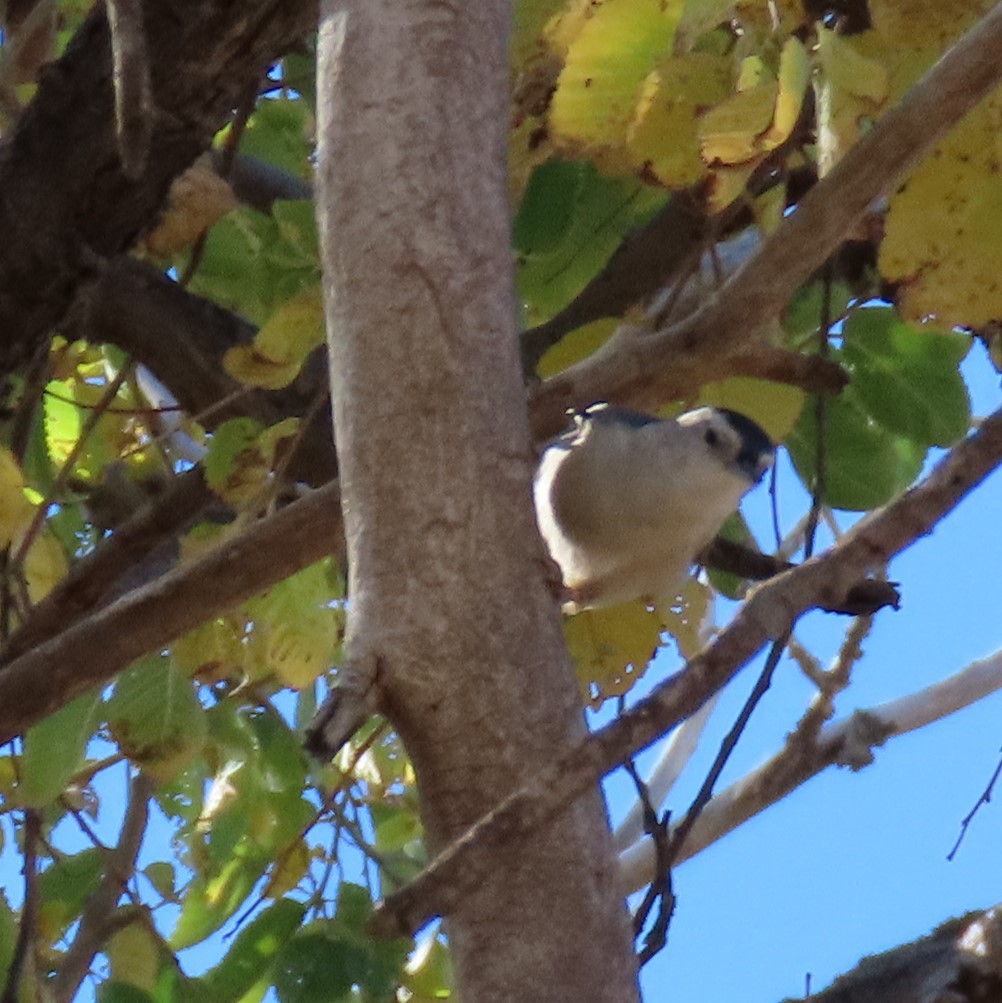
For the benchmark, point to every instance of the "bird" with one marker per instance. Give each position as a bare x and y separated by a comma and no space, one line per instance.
626,501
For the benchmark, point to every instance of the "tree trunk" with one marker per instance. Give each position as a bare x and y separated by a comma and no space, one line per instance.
450,609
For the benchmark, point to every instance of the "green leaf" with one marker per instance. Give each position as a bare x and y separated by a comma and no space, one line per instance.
547,208
283,761
233,271
163,877
865,465
253,952
278,133
908,379
604,211
210,902
64,889
156,718
54,750
312,967
8,936
736,530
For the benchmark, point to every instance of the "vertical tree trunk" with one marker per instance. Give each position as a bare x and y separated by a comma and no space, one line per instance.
449,602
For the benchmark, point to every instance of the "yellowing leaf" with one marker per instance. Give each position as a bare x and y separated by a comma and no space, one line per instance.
563,28
45,565
663,135
775,406
279,348
16,512
612,648
134,956
941,244
576,346
607,64
296,629
729,133
212,651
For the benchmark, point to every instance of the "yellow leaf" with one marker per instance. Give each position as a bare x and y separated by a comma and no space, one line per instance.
607,64
576,346
213,651
663,136
729,133
16,512
941,243
45,566
279,348
794,76
684,618
775,406
612,648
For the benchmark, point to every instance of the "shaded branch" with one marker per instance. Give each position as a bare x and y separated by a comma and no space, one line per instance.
770,610
93,650
67,201
90,578
643,369
182,338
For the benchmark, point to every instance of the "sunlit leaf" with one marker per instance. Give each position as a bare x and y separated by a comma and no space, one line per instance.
908,378
234,467
775,406
45,565
865,464
279,348
611,648
296,631
16,512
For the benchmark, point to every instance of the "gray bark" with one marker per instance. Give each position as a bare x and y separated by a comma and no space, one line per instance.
450,610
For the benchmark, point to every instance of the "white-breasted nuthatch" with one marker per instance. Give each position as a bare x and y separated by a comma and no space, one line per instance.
626,501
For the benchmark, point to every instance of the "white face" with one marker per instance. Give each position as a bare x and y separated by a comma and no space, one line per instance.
726,443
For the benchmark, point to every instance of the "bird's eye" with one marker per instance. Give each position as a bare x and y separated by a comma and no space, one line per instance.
711,437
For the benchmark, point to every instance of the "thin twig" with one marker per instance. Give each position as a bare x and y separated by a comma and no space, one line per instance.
986,796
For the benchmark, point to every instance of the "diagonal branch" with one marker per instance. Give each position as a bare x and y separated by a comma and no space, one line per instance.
770,610
98,915
844,742
93,650
67,202
631,366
